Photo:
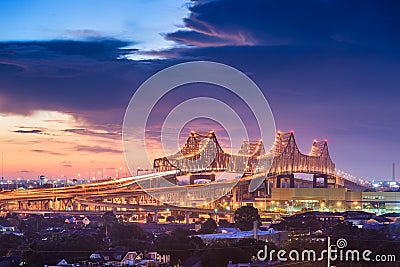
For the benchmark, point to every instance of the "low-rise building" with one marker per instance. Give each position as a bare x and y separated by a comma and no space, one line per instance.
121,257
270,235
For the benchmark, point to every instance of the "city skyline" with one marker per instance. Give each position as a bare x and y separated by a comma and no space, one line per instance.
64,86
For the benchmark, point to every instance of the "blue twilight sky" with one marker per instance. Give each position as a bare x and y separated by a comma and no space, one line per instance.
141,22
329,69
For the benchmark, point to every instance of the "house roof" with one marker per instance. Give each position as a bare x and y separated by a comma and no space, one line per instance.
6,223
236,234
191,261
113,255
383,220
392,214
356,214
62,262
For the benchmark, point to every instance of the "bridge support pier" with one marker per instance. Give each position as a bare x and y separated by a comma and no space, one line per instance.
316,176
283,176
187,217
155,216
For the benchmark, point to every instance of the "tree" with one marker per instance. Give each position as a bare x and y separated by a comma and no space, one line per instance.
345,229
108,218
131,236
149,218
180,218
194,215
120,232
182,232
208,227
245,216
9,242
224,223
170,219
220,253
178,245
61,246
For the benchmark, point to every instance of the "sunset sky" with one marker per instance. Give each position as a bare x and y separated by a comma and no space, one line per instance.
329,69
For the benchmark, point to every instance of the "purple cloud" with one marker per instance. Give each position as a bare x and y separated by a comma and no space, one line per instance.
97,149
47,152
28,131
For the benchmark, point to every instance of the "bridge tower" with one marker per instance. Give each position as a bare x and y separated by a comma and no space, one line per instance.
288,160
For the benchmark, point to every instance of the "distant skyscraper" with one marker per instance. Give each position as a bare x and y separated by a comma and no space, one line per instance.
41,180
394,173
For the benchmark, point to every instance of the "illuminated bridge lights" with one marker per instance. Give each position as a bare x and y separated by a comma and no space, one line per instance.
285,153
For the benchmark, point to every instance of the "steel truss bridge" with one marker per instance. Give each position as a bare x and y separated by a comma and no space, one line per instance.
285,156
124,194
